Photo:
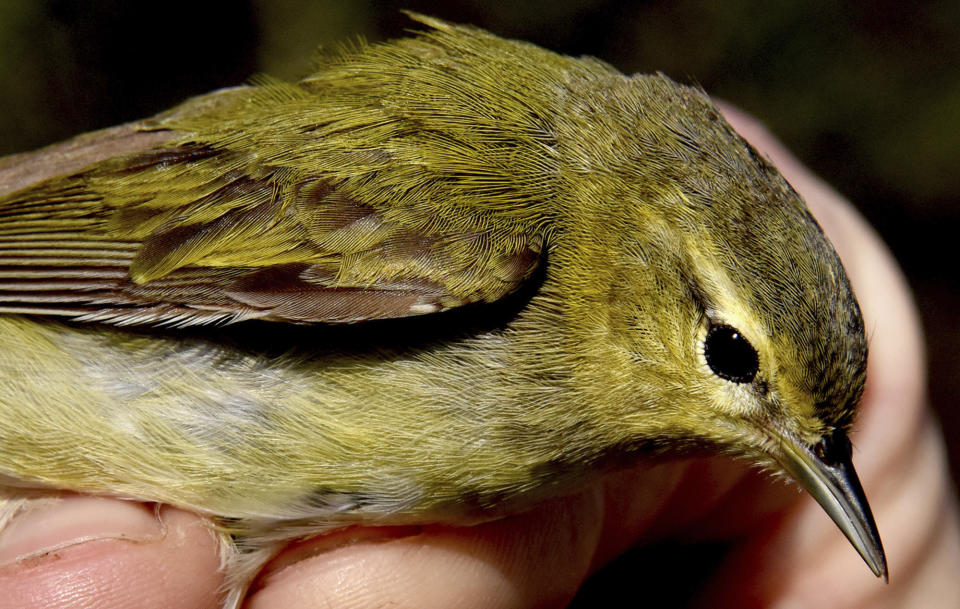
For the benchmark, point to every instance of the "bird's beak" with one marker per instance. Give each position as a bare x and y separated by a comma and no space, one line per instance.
826,472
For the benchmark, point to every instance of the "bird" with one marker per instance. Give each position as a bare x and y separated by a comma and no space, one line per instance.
439,279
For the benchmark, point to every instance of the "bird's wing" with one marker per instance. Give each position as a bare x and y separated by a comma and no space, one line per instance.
185,234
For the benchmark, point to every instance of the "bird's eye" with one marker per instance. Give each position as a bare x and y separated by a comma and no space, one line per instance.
730,355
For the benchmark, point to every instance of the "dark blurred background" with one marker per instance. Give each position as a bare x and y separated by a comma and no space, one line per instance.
866,93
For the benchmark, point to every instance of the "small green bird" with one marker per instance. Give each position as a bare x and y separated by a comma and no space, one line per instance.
437,280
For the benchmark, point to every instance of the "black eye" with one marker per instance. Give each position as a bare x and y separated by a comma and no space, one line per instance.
730,355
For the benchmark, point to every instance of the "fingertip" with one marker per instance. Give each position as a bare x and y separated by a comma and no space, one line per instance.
536,558
99,552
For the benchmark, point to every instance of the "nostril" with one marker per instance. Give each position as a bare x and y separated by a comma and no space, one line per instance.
834,448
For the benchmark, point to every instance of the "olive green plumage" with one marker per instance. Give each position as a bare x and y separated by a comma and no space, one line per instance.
587,229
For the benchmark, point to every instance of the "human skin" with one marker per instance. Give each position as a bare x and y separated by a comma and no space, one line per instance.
86,551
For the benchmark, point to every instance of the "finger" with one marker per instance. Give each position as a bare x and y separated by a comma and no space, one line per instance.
538,558
695,499
79,551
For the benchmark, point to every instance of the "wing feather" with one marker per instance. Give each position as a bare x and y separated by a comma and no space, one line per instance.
187,234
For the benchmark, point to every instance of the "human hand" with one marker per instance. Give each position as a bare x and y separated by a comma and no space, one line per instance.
83,551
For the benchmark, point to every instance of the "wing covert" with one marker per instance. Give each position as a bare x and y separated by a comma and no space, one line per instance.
189,235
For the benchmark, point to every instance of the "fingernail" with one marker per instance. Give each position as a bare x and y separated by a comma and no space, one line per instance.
45,526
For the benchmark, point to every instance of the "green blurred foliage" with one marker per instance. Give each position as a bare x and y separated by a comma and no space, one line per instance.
866,93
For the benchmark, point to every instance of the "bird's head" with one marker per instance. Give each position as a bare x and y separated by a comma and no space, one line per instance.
730,318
